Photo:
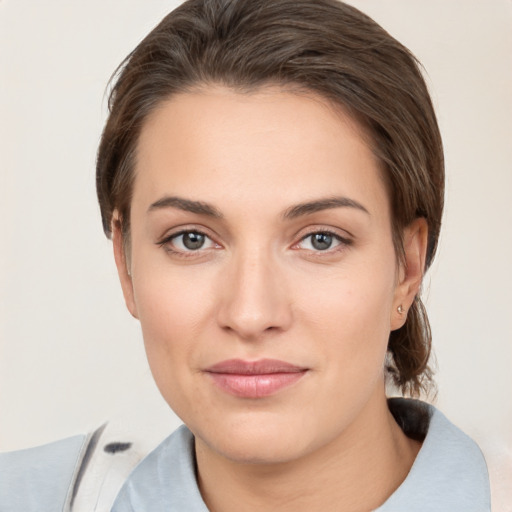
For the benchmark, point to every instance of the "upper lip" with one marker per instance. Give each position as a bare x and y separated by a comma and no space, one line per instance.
260,367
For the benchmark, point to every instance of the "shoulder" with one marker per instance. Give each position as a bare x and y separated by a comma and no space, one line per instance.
79,473
38,479
165,479
449,473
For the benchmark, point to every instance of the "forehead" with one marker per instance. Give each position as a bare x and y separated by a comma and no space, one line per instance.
224,145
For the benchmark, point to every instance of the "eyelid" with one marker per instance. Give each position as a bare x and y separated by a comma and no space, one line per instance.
166,240
344,241
183,228
339,233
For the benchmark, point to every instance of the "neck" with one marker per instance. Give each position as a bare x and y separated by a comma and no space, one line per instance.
357,471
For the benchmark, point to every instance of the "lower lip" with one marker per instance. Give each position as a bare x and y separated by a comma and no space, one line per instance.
255,386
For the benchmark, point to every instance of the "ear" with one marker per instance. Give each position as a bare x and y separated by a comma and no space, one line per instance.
410,275
122,264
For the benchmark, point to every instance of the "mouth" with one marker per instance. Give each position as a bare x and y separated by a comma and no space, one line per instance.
254,379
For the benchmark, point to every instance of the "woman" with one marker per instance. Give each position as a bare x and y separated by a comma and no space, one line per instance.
271,175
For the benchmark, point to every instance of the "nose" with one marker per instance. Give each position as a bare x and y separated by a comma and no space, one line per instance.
254,299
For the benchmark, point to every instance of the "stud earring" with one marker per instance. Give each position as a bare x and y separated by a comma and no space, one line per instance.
400,309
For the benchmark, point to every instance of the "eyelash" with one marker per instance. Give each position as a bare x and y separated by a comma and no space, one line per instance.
343,242
166,243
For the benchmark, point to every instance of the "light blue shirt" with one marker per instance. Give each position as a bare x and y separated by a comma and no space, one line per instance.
449,474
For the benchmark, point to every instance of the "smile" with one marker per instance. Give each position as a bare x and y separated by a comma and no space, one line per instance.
256,379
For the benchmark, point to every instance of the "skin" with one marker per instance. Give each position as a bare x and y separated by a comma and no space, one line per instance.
258,289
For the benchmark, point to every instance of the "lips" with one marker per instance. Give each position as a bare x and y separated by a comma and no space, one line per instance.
254,379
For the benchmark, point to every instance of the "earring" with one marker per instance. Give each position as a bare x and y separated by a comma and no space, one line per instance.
400,309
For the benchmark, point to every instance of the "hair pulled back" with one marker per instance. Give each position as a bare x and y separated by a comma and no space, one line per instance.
323,46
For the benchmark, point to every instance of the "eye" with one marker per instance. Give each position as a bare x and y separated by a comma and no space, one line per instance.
188,241
322,241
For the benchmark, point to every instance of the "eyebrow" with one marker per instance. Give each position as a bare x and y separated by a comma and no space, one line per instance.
186,205
318,205
307,208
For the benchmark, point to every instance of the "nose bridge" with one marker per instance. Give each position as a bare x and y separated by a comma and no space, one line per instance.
254,296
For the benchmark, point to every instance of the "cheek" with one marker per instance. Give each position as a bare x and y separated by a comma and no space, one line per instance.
348,313
174,307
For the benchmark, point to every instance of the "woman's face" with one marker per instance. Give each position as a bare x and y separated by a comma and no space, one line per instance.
262,269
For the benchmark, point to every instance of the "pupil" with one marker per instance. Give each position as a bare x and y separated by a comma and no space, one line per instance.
193,240
321,241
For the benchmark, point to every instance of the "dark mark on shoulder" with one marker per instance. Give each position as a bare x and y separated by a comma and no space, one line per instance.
116,447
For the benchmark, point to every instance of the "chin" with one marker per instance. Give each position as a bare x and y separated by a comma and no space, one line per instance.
259,450
263,440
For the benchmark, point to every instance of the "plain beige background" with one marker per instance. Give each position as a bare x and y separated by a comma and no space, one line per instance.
71,356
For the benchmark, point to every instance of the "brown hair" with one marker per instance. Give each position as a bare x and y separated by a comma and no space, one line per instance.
323,46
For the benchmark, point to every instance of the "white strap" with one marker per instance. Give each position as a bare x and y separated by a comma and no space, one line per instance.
111,452
106,461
